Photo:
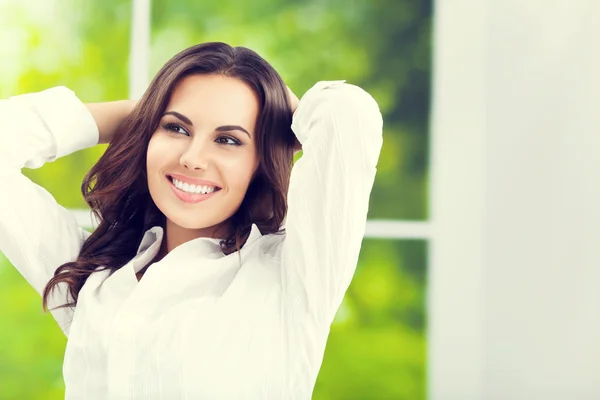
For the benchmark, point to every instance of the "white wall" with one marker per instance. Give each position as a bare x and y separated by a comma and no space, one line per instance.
515,272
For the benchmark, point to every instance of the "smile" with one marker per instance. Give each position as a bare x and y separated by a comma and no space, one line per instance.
193,189
191,193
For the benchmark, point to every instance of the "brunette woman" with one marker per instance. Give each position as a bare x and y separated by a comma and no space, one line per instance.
216,268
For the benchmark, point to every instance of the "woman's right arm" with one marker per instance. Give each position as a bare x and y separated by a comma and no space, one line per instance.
109,116
37,235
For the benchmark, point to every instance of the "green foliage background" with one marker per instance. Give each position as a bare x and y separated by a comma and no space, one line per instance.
377,346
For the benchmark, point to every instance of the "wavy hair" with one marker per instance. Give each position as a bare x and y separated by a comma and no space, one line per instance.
116,187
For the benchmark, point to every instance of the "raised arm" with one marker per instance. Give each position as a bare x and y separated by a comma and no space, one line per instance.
109,116
340,129
36,234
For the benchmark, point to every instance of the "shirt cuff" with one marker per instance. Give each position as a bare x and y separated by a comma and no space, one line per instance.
66,117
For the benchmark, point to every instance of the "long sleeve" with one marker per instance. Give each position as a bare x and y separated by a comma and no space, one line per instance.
340,129
37,235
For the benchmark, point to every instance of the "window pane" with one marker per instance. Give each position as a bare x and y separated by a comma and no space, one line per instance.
377,346
377,343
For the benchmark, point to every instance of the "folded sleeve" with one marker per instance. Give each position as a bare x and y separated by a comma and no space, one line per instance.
37,235
340,128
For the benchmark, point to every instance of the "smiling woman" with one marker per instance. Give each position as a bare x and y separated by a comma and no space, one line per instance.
216,270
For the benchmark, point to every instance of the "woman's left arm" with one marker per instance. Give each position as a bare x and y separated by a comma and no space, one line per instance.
340,129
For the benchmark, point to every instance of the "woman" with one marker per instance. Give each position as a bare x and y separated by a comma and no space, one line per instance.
207,277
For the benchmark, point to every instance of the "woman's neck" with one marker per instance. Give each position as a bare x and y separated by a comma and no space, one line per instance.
175,236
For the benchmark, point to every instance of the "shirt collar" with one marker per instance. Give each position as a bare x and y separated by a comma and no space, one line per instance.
201,246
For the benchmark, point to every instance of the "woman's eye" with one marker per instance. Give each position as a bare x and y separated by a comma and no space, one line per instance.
227,140
175,128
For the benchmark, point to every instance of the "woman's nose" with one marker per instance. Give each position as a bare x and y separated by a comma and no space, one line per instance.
196,156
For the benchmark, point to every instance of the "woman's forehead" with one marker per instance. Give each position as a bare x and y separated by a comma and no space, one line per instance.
214,95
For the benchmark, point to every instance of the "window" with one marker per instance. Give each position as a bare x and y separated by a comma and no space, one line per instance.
378,339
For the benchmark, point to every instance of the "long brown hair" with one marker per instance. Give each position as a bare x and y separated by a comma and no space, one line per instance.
116,187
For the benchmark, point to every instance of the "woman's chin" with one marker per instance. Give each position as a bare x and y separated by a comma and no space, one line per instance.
209,226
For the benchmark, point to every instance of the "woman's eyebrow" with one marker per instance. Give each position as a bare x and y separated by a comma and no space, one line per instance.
227,128
180,116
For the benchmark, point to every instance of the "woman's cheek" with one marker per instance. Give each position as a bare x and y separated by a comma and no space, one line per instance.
158,152
150,155
242,168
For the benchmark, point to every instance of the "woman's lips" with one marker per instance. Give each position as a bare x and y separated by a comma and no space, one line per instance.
189,197
192,181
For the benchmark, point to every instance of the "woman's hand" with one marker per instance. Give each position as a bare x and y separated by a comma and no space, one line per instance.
294,101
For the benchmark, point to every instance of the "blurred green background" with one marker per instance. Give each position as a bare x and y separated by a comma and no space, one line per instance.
377,346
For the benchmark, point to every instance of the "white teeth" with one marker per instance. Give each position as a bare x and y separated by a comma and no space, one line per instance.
186,187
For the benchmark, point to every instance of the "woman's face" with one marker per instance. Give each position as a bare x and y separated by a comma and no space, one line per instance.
203,156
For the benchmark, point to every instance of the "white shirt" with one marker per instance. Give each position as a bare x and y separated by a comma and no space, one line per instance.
199,325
